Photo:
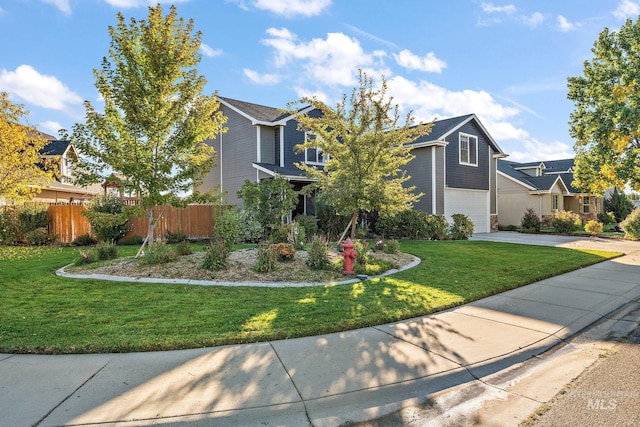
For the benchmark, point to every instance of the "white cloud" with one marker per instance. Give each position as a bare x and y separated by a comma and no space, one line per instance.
533,20
262,79
428,63
209,51
536,150
129,4
627,9
38,89
566,26
490,8
50,127
331,61
62,5
291,8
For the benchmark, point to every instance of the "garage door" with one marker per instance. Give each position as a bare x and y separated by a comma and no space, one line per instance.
473,203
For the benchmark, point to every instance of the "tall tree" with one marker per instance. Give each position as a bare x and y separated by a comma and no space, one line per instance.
156,118
23,171
606,119
364,148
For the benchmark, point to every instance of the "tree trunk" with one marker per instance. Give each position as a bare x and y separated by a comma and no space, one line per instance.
150,228
354,222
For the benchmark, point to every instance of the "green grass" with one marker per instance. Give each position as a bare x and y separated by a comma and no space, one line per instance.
43,313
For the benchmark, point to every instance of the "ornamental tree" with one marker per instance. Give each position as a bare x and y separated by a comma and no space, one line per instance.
23,171
606,119
364,148
156,119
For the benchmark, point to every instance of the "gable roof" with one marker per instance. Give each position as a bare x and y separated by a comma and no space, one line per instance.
441,129
55,148
257,112
552,171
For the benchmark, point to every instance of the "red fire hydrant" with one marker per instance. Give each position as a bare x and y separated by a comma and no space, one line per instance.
349,254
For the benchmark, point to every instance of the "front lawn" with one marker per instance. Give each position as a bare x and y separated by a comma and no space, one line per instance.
43,313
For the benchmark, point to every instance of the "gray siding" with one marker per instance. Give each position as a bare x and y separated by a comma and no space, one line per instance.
420,169
238,154
463,176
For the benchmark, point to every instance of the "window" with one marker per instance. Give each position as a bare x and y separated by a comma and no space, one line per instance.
468,150
554,201
586,202
313,155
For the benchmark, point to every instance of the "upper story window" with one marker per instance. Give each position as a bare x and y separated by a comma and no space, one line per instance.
468,150
313,155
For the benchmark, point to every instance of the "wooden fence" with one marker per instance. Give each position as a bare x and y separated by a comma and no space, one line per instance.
195,221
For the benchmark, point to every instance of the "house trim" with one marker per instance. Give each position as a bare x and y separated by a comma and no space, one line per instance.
484,130
548,191
274,174
510,178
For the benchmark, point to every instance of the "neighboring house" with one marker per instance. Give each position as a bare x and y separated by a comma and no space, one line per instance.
545,187
455,165
61,189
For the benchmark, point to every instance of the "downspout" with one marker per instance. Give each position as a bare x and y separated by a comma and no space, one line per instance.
433,181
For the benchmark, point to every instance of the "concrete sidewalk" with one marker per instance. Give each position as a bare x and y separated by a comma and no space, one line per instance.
324,380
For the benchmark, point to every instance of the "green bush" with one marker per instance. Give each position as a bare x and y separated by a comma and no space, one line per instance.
413,224
158,253
437,227
309,223
531,221
566,222
631,225
131,241
9,226
509,227
329,222
390,246
38,237
318,253
84,240
593,227
227,227
216,256
108,218
183,248
607,218
176,237
267,259
86,257
462,227
618,204
105,251
32,216
249,229
362,248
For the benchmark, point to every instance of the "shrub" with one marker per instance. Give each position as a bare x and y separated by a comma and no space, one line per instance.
105,251
607,218
131,241
437,227
38,237
509,227
9,226
309,223
409,223
176,237
227,227
531,221
84,240
318,253
216,255
108,218
618,204
32,217
329,222
86,257
267,259
269,200
462,227
631,225
566,222
285,251
249,229
158,253
362,248
391,247
183,248
593,227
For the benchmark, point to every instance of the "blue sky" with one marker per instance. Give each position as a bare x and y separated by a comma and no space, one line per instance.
505,61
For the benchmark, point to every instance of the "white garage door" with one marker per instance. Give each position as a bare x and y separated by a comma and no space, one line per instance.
473,203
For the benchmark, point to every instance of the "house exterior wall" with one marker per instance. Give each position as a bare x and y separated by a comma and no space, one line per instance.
465,176
235,157
421,171
267,144
513,199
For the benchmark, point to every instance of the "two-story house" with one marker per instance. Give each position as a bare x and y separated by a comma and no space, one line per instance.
455,165
544,186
